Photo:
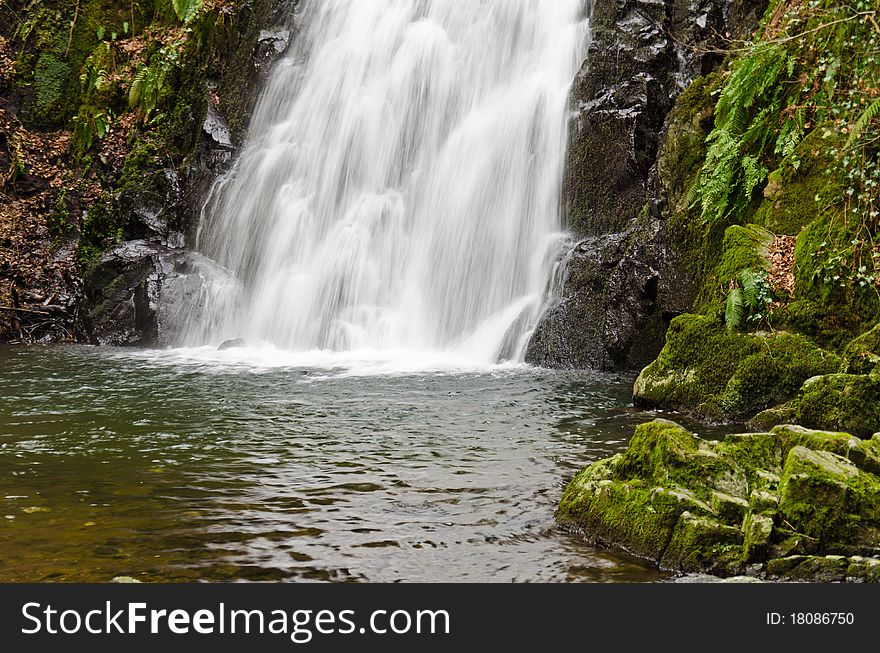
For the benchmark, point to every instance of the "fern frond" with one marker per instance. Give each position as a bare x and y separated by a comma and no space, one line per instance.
870,112
186,9
748,280
136,91
754,174
734,310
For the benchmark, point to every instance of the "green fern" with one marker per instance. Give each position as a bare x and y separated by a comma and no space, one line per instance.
871,112
749,300
745,121
186,10
734,311
151,83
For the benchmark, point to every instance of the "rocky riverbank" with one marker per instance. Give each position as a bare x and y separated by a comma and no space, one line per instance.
735,261
793,503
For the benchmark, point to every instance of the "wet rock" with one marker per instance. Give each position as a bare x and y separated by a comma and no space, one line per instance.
153,205
620,98
617,295
125,580
627,165
821,569
862,569
670,497
232,344
121,291
595,326
143,293
271,44
215,126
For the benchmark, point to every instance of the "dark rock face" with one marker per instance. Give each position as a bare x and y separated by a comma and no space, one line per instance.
616,296
141,292
271,45
643,54
625,282
122,291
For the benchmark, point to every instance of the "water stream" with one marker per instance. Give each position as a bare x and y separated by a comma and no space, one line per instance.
399,190
171,467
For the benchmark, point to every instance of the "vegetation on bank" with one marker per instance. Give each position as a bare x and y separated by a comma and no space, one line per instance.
793,503
771,174
770,170
102,106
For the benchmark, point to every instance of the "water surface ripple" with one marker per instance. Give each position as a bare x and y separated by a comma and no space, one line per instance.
169,469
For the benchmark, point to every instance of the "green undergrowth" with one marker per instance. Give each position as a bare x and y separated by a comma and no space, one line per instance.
790,149
130,82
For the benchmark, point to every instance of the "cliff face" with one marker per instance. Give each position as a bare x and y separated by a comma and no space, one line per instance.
745,229
626,278
114,121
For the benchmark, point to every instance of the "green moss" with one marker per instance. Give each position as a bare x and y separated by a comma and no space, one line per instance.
50,80
683,148
825,497
639,518
823,569
100,230
797,191
743,247
706,369
862,355
767,419
753,451
701,544
650,499
864,454
774,373
758,531
847,402
825,259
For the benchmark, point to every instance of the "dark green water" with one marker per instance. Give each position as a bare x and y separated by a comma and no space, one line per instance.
173,467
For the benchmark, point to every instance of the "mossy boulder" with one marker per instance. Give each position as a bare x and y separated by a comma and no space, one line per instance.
829,500
787,502
862,355
716,373
837,402
743,247
848,402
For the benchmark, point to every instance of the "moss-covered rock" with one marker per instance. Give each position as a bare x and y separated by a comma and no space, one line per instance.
743,247
716,373
849,402
838,402
862,355
799,187
822,569
788,501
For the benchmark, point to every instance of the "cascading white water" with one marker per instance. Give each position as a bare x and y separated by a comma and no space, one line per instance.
400,186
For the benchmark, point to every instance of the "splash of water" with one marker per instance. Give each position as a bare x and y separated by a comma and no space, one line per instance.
400,187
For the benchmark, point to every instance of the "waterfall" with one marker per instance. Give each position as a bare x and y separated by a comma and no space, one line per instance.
399,188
